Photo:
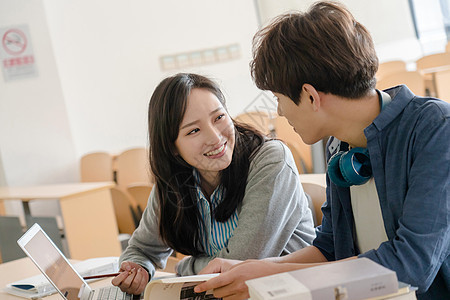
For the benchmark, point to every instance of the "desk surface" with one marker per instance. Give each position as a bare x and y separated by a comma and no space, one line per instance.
54,191
24,267
16,270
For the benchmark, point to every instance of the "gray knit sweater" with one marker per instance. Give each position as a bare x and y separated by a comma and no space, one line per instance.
274,218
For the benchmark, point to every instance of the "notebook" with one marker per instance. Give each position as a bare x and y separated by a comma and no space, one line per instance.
58,270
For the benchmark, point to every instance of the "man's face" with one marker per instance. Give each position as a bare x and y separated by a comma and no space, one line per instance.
301,117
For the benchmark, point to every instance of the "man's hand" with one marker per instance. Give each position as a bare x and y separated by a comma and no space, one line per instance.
230,285
132,278
219,265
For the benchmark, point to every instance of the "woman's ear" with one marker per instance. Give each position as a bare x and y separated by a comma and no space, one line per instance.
175,151
312,95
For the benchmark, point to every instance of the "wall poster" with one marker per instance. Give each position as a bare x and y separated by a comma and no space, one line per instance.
16,53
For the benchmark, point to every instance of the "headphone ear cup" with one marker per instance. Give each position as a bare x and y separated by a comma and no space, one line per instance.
334,170
347,168
355,166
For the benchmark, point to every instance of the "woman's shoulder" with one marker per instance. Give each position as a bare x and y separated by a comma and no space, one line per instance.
272,151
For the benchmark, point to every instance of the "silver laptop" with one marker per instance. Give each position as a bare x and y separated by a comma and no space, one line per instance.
58,270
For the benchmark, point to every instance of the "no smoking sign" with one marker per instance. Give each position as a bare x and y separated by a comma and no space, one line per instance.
14,41
16,54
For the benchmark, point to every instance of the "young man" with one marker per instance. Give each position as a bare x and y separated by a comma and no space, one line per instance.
395,209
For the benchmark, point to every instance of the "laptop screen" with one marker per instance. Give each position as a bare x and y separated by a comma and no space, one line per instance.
53,263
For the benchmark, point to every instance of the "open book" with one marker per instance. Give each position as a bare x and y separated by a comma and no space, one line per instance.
177,288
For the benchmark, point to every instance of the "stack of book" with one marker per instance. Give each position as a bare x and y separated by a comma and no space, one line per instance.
350,280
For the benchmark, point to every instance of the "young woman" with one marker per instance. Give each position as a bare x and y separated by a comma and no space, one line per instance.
222,189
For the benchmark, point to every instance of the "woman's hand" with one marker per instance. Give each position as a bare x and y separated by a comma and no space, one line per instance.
132,278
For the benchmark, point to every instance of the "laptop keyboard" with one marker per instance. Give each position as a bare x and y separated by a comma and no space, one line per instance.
114,293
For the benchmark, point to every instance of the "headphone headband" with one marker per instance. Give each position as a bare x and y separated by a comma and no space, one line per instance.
384,99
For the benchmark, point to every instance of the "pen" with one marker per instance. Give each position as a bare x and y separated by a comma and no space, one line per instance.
101,276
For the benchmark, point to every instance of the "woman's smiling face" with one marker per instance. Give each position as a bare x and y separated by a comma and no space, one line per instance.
206,134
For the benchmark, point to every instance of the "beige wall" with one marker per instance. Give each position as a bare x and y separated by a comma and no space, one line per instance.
36,143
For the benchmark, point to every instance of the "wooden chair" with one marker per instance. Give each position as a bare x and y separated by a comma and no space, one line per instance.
429,65
389,67
318,197
140,193
10,232
433,61
132,167
315,186
442,79
299,162
259,120
124,208
413,79
96,166
2,208
170,265
286,133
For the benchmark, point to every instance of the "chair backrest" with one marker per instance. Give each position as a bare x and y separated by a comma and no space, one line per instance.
258,119
96,166
286,133
433,61
315,186
132,167
413,79
390,67
171,263
447,47
443,85
140,193
125,211
50,226
2,208
10,232
299,162
318,196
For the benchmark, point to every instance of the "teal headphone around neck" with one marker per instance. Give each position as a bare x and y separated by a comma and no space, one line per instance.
347,168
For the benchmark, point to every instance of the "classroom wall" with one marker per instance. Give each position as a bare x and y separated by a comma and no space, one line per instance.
36,144
108,54
98,62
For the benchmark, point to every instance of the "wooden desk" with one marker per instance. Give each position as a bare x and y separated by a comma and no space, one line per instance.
88,214
24,267
17,270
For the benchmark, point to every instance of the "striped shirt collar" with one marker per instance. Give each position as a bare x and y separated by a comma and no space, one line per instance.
214,235
217,195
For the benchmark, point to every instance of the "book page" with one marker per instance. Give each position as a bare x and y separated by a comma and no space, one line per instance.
178,288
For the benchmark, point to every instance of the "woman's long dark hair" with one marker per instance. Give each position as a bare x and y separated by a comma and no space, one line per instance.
179,218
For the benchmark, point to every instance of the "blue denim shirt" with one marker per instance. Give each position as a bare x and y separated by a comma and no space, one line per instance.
409,147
